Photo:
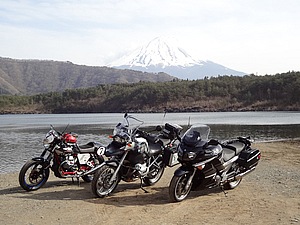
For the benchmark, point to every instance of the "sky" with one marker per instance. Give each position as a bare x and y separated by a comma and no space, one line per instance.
252,36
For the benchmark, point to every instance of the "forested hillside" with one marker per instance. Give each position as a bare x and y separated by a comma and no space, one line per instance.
223,93
24,77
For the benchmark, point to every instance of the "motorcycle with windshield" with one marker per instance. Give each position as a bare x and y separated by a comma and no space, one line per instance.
135,154
209,163
64,157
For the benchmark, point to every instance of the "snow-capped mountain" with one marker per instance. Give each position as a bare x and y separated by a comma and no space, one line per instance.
162,55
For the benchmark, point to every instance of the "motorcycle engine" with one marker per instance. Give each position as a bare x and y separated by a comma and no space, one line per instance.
68,163
141,168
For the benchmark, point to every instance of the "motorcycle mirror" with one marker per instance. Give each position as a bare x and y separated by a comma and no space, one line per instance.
158,128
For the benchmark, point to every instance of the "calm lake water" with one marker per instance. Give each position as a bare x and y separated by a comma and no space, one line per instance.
21,135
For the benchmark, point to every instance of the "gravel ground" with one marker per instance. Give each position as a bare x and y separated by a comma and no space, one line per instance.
268,195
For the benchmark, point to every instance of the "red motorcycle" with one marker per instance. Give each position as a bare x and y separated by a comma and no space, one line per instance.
64,157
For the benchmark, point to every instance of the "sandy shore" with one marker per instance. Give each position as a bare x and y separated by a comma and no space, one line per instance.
269,195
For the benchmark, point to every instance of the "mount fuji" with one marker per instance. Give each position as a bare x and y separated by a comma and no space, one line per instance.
162,55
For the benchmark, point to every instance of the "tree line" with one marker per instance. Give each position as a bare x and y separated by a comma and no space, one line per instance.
222,93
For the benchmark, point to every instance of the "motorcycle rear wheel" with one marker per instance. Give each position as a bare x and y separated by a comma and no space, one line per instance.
155,175
87,178
177,188
232,184
101,185
32,176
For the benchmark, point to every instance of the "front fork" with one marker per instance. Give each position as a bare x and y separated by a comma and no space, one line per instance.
180,172
44,162
113,177
189,182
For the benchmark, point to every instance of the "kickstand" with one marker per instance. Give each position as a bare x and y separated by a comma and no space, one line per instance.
78,181
141,186
222,188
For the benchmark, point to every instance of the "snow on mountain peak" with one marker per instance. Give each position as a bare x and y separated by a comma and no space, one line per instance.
160,52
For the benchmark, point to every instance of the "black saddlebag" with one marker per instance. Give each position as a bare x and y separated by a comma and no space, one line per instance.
249,158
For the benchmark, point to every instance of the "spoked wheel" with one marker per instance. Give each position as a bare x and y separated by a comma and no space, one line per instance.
33,176
178,189
156,172
101,184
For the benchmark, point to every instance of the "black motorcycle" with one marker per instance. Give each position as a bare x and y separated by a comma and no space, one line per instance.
64,157
135,154
209,163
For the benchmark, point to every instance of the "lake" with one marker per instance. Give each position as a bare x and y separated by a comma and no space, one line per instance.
21,135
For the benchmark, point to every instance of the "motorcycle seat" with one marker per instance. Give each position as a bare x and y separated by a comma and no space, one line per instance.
239,146
87,148
154,151
155,148
228,153
232,149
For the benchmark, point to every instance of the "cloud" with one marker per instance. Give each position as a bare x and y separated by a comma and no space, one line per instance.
237,33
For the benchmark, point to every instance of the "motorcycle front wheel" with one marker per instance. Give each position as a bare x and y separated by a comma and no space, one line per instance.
33,175
101,184
178,189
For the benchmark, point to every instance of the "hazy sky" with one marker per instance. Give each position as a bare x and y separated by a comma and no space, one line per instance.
252,36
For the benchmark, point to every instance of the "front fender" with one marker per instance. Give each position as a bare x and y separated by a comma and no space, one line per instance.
39,159
111,163
182,170
42,161
108,162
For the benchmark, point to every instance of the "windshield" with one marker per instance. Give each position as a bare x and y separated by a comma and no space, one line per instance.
49,138
197,132
128,127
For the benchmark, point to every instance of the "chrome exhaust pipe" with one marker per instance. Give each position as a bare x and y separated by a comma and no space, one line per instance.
93,169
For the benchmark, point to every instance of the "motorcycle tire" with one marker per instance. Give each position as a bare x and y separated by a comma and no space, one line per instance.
87,178
177,191
232,184
101,185
32,176
154,176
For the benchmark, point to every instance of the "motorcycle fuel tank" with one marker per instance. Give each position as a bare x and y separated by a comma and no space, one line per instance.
69,138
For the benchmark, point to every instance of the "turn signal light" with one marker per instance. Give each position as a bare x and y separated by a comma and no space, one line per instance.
201,167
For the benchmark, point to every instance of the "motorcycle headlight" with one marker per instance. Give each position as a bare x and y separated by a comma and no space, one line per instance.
47,141
191,155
